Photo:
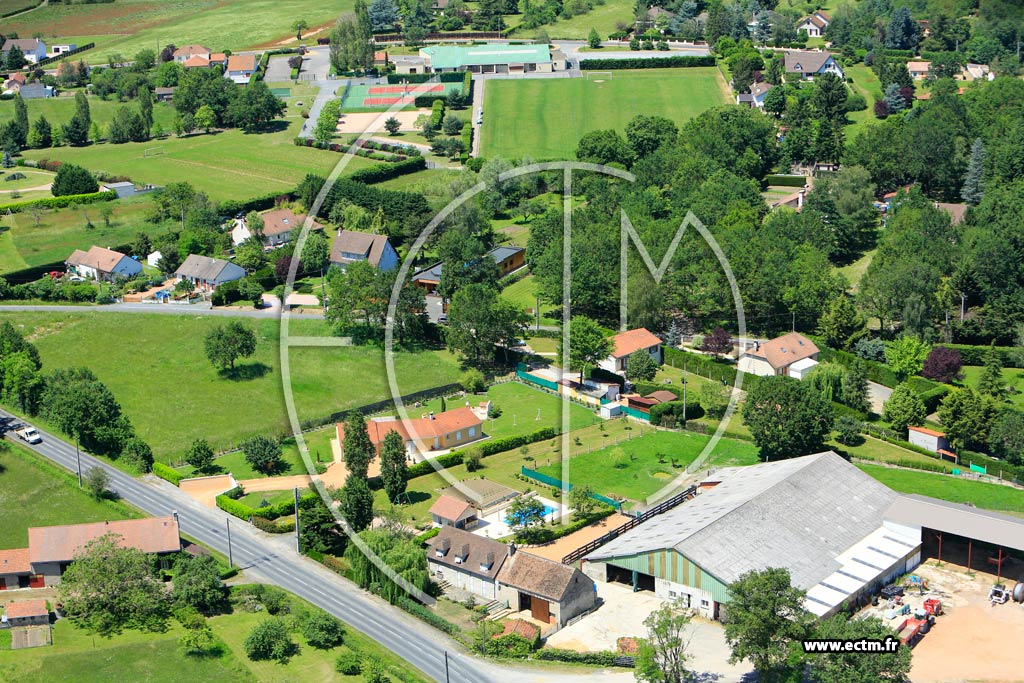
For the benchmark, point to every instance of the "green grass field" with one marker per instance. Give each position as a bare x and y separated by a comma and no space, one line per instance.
24,244
226,165
1014,378
953,489
35,493
603,17
59,110
640,467
545,118
524,410
257,498
158,371
156,658
127,26
866,83
524,295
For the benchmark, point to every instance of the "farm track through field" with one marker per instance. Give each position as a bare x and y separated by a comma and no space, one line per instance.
44,3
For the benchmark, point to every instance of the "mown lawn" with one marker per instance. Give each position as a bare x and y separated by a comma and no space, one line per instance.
545,118
1014,378
156,366
59,110
883,451
35,493
228,164
956,490
256,499
156,657
603,17
524,295
127,26
640,467
865,83
524,410
24,244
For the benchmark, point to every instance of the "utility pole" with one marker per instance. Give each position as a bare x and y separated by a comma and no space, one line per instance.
794,321
78,459
684,394
963,301
447,676
231,563
298,543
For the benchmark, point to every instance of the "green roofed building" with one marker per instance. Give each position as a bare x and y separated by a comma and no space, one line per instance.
485,59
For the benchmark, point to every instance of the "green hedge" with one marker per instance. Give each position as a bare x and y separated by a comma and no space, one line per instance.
260,203
381,172
425,101
785,180
166,473
675,62
279,526
446,77
467,83
551,654
436,112
701,365
487,448
467,136
61,202
974,354
693,411
930,392
420,612
227,503
876,372
427,535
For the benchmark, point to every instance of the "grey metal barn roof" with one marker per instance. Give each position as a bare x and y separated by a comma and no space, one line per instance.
955,518
799,514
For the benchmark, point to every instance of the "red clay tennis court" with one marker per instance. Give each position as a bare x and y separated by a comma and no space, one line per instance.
388,89
386,101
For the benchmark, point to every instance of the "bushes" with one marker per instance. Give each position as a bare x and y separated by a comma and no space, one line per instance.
600,374
975,354
877,372
786,180
551,654
420,612
259,203
425,101
279,526
486,448
653,63
675,408
61,202
228,504
436,113
167,474
512,645
700,365
378,174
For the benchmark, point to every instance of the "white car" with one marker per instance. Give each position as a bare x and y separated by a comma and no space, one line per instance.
28,434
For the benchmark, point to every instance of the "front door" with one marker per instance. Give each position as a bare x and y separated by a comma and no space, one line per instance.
540,610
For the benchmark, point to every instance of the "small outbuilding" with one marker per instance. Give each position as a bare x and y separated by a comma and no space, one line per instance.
454,512
928,439
27,613
552,592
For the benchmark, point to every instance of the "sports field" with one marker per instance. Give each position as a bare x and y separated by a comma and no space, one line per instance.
127,26
545,118
381,97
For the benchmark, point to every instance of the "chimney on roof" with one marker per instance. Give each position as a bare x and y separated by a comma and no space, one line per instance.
174,514
431,414
757,345
511,549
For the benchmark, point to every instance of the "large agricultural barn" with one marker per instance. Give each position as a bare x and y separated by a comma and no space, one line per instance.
817,516
483,59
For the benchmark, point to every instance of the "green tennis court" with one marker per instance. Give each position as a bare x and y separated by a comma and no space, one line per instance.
360,97
281,93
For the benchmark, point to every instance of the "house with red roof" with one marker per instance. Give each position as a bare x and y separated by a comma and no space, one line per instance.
629,342
186,52
429,432
102,264
27,613
791,355
52,548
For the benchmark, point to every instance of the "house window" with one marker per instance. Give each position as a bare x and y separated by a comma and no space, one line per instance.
705,604
458,436
472,432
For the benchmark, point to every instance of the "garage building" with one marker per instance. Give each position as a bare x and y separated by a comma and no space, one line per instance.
817,516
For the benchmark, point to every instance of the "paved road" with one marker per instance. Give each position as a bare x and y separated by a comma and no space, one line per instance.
166,309
878,394
273,559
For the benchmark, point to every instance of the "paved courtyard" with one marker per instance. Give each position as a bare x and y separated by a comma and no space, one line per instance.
622,614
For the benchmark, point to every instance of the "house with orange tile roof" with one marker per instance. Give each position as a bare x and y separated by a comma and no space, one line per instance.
186,52
814,24
32,612
789,355
240,68
430,432
102,264
451,511
278,225
196,62
626,343
52,548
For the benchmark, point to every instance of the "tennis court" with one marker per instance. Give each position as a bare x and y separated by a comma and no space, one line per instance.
281,93
361,97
